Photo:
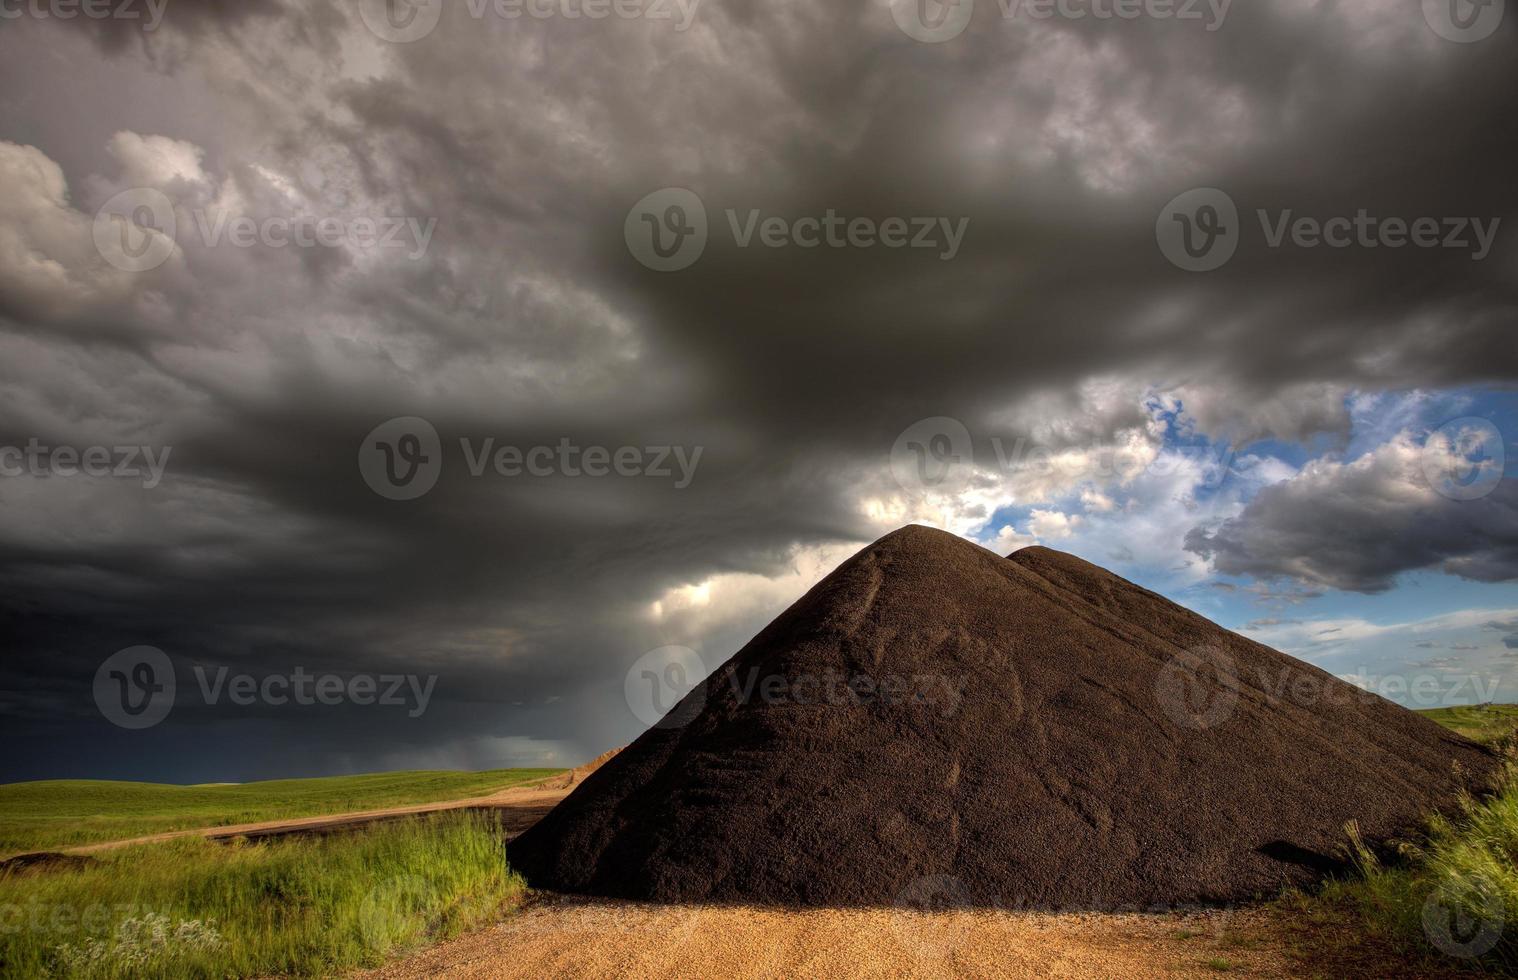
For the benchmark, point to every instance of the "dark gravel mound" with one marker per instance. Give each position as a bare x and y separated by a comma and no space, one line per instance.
1030,731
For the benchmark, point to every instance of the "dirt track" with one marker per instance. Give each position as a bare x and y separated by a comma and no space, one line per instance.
519,807
557,936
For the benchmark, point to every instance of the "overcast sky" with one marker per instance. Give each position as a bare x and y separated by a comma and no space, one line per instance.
891,270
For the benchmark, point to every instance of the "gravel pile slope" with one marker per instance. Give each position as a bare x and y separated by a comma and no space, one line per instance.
1029,731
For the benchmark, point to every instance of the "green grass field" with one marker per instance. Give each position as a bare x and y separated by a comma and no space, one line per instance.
293,906
1483,723
56,813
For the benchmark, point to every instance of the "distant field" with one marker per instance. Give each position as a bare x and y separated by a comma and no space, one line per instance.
1484,723
58,813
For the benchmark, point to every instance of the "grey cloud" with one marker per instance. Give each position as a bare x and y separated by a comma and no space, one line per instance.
1508,626
1360,524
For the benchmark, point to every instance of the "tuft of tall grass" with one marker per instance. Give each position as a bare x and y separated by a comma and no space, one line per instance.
1455,894
302,907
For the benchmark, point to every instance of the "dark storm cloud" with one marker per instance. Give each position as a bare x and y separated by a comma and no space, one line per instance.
528,321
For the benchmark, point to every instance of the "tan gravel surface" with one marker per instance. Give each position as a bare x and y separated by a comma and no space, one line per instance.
557,936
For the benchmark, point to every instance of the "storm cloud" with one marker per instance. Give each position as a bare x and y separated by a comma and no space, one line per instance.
526,321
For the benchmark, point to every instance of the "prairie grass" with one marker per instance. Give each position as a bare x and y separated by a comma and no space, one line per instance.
1453,894
291,906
